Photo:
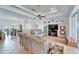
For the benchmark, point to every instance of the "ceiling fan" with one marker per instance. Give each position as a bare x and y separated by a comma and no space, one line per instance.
40,15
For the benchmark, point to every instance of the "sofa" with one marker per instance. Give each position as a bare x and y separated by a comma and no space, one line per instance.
34,44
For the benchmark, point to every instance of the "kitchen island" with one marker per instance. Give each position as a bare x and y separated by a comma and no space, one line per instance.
56,40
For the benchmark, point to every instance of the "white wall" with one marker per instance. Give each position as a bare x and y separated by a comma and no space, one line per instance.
58,21
28,25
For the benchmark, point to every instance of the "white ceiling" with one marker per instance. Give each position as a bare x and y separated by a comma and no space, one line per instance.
64,10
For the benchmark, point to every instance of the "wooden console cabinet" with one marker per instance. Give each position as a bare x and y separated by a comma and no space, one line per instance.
2,35
72,42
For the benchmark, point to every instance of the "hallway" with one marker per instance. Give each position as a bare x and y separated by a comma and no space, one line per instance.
11,46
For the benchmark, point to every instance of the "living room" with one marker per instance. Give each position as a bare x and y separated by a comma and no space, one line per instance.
49,22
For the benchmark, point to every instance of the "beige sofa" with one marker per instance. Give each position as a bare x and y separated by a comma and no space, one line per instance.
34,44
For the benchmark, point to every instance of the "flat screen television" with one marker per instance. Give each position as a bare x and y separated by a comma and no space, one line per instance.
53,29
54,26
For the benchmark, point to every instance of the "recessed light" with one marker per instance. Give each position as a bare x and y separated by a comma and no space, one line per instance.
51,8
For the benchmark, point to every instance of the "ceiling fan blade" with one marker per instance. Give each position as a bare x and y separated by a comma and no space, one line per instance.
37,17
54,15
42,16
51,12
55,11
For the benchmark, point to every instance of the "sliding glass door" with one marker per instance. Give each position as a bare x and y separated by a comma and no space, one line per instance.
78,29
74,27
